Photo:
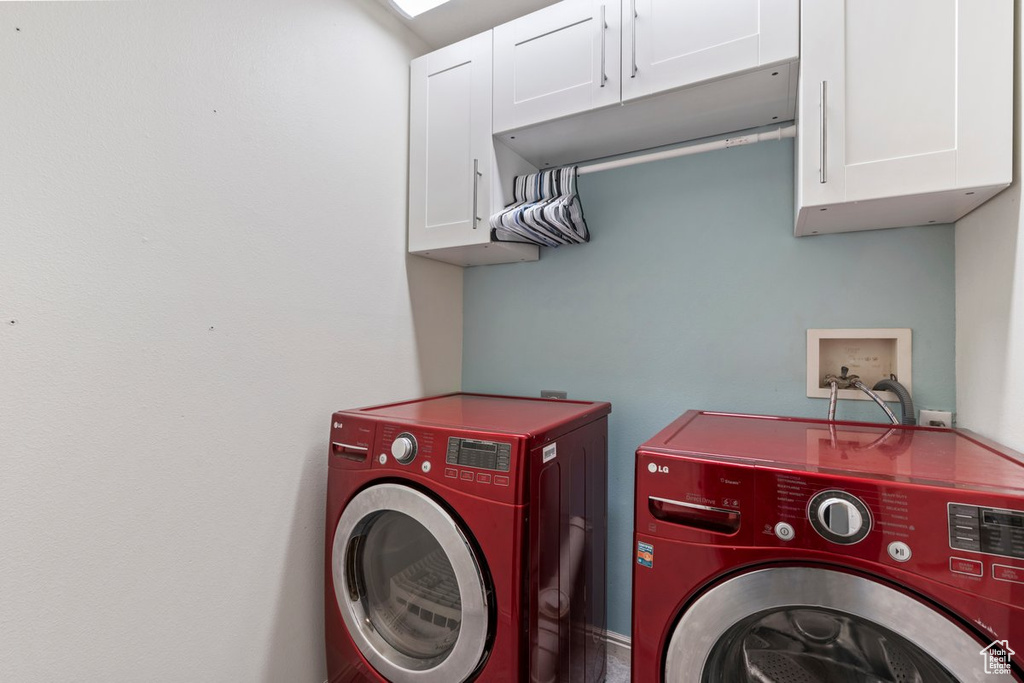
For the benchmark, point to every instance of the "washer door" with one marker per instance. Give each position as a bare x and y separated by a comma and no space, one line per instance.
806,625
409,586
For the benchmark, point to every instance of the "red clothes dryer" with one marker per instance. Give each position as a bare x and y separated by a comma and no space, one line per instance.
779,549
465,540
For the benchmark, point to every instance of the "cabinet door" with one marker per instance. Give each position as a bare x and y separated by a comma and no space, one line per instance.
821,104
914,97
561,60
450,152
670,44
905,111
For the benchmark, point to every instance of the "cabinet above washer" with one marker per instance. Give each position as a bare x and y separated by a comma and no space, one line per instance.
906,112
558,61
669,44
584,79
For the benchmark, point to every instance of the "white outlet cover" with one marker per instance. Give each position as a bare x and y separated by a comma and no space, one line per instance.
929,416
871,353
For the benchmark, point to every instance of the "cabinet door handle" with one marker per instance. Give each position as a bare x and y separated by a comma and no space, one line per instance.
632,6
823,128
476,184
604,31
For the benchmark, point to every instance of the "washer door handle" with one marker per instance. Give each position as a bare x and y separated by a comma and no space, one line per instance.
353,556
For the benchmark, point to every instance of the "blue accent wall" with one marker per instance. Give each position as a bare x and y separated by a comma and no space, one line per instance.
693,293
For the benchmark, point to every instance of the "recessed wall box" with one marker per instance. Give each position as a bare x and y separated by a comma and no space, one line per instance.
872,354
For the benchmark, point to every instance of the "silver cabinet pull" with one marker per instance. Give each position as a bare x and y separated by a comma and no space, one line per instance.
604,31
476,182
632,5
823,142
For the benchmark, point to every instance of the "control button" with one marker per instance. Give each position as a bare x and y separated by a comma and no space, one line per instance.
467,476
451,473
500,480
959,565
964,543
1003,572
382,459
425,466
784,531
963,511
899,551
483,478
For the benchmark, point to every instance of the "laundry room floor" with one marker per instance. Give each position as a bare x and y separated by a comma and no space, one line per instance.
617,670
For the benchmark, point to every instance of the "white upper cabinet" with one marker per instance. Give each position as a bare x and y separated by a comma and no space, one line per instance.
561,60
670,44
905,111
452,163
583,79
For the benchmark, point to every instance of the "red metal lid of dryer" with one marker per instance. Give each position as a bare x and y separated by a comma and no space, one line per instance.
922,455
505,414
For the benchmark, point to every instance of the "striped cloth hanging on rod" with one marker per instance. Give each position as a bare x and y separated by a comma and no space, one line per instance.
545,210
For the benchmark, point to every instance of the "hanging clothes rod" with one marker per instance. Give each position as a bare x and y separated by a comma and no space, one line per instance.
777,134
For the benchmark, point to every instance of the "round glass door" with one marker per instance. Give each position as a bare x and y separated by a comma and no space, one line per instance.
806,625
807,644
409,586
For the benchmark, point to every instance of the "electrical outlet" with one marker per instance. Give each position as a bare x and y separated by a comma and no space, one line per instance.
935,418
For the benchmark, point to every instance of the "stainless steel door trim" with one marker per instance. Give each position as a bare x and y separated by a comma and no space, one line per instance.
469,648
707,620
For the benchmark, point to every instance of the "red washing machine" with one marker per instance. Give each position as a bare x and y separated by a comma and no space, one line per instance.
465,541
778,549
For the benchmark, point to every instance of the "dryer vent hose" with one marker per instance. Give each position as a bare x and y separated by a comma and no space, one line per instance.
906,403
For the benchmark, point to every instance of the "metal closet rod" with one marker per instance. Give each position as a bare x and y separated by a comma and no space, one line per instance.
777,134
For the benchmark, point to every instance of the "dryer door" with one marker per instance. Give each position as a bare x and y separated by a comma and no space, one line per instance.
806,625
409,586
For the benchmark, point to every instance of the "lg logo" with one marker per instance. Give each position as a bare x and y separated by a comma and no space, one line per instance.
654,468
337,425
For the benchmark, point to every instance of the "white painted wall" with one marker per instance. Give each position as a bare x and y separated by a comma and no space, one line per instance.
202,255
990,306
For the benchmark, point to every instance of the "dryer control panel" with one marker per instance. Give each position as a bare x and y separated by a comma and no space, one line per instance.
482,463
481,455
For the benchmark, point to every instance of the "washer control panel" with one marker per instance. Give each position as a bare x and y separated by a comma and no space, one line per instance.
992,531
839,517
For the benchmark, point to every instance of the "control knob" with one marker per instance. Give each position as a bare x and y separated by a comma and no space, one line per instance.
404,448
839,517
